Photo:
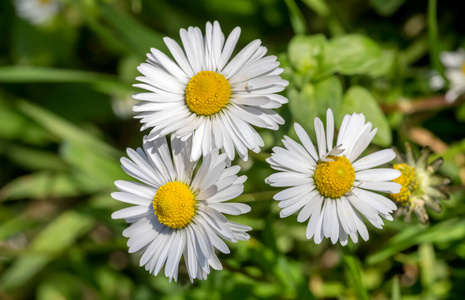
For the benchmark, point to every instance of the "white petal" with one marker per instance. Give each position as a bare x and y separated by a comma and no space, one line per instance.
377,174
381,186
374,160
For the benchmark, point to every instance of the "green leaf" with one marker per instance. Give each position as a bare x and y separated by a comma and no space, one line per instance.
64,129
395,292
305,52
14,225
40,185
314,100
59,286
103,170
352,54
357,99
104,83
386,7
450,230
15,126
297,18
61,233
352,268
35,159
129,30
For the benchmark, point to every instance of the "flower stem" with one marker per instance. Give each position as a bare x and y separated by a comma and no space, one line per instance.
352,270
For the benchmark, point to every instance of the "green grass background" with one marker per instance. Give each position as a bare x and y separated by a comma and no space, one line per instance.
61,139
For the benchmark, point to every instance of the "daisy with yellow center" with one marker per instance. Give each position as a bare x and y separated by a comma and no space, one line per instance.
37,12
331,186
178,209
421,186
408,183
205,94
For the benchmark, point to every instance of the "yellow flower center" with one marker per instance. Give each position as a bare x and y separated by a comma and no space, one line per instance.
207,93
174,204
408,182
463,68
43,2
334,178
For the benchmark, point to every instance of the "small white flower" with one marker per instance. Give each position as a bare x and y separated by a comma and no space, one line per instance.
205,95
455,73
178,209
331,186
37,12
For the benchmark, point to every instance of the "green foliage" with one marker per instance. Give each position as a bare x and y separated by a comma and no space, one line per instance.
360,100
60,145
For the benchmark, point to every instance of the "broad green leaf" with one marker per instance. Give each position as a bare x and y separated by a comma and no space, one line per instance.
314,100
352,54
304,53
384,64
359,100
61,233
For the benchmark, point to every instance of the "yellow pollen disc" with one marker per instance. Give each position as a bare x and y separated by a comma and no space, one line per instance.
463,68
44,1
174,204
408,182
334,178
207,93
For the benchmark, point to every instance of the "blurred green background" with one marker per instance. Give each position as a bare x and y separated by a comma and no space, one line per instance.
65,120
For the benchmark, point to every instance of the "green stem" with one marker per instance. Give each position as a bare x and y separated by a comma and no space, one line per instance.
297,18
433,36
352,270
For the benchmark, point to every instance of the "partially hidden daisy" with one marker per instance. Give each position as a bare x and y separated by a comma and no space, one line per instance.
179,208
421,186
330,185
207,95
454,62
37,12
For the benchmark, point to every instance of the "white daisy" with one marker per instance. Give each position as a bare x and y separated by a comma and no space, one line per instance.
204,95
178,209
331,186
37,11
455,73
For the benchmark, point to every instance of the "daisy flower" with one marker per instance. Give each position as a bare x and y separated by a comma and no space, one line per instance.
455,73
178,208
330,185
421,186
206,95
37,11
